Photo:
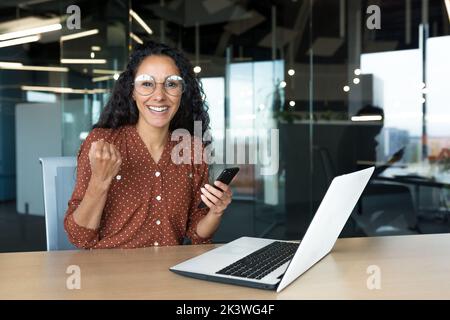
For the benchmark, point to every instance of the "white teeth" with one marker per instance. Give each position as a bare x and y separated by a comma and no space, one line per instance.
158,109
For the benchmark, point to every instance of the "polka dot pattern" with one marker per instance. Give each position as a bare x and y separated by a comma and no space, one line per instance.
148,204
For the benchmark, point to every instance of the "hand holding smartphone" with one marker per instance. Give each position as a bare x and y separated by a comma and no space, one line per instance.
226,176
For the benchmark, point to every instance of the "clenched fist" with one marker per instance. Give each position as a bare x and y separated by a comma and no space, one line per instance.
105,161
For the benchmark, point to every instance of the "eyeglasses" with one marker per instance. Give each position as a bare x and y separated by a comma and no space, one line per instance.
145,85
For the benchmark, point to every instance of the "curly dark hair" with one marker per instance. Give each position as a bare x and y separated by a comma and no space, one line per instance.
121,109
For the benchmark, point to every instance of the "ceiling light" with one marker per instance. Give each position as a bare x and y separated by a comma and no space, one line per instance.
282,84
136,38
346,88
141,22
79,35
63,90
367,118
357,72
104,71
7,65
31,31
42,68
29,22
197,69
96,48
102,78
78,61
23,40
105,78
19,66
292,103
291,72
356,80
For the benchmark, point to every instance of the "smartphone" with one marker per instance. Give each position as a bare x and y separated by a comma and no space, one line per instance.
225,176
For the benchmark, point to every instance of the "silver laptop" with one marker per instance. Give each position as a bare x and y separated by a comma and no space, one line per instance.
272,264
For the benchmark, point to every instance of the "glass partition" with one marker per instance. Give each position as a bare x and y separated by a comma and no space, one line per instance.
95,53
298,92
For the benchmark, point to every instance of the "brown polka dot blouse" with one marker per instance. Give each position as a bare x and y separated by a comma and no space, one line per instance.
148,203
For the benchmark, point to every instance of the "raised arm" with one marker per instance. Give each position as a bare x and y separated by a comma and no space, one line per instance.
98,163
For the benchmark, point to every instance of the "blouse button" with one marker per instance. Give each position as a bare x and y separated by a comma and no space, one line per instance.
118,177
157,173
158,198
156,243
158,222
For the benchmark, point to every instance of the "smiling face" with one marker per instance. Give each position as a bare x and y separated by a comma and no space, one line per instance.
157,109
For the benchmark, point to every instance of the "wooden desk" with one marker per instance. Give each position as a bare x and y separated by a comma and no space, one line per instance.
412,267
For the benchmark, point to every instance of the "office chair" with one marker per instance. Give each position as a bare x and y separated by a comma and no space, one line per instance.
59,176
383,209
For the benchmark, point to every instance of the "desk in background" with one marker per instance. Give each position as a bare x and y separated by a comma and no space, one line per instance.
414,177
412,267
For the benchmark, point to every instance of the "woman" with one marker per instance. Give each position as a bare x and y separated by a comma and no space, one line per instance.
129,193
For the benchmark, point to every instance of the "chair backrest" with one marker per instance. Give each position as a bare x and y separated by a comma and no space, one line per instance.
327,163
59,176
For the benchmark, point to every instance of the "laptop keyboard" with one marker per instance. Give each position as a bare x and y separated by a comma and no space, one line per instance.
262,262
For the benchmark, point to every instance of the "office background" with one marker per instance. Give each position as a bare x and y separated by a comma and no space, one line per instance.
347,84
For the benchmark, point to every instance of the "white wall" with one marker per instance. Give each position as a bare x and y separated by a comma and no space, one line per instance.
438,96
38,134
